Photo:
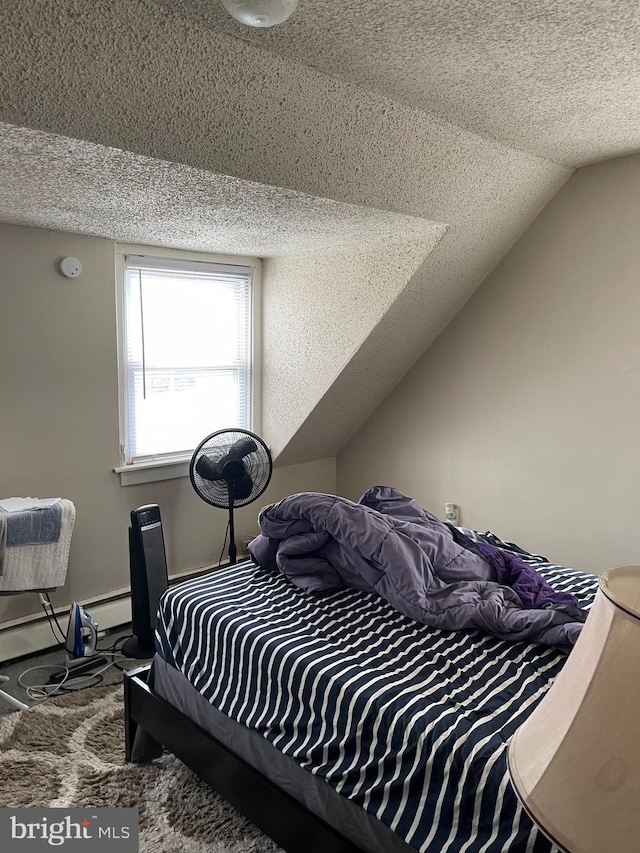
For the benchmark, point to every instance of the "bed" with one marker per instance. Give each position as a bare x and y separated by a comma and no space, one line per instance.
335,723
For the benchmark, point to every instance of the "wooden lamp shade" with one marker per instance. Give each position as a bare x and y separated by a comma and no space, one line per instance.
575,762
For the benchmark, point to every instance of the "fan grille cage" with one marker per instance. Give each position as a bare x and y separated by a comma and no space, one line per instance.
258,464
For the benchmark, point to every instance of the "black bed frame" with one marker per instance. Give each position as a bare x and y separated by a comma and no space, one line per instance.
278,814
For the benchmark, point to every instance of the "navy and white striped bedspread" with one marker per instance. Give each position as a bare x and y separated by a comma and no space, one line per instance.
408,721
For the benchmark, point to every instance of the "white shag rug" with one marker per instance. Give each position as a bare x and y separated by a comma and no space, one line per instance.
69,752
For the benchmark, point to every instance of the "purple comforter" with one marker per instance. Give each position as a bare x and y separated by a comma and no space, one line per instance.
388,544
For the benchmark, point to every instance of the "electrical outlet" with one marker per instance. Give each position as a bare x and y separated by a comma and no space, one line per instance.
451,514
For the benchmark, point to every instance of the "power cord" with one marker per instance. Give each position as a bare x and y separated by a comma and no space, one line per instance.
115,648
52,618
39,693
63,680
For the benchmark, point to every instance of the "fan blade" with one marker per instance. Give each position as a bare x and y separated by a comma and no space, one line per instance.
230,467
208,469
243,447
242,488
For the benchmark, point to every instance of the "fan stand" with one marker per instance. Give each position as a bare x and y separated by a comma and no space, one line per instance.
227,466
232,536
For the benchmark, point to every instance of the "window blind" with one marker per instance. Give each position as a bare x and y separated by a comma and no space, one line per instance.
188,353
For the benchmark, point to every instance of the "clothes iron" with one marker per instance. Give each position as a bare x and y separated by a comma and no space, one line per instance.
82,633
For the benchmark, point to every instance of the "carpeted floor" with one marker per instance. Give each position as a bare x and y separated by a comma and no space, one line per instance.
70,752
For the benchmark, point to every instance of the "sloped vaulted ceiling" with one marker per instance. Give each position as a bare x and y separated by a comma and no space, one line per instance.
180,86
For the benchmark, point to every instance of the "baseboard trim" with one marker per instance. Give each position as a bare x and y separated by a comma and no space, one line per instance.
36,636
29,635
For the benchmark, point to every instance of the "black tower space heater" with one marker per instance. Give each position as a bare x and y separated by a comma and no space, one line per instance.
149,578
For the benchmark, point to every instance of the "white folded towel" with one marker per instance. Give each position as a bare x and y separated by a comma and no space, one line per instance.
43,566
23,504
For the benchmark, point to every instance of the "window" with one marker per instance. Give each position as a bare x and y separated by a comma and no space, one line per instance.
186,354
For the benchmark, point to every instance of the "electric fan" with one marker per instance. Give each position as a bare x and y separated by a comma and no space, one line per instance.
230,468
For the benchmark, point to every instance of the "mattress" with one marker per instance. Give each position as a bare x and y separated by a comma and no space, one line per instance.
312,792
408,722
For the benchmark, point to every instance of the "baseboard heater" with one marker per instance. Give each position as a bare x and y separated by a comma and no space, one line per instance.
31,634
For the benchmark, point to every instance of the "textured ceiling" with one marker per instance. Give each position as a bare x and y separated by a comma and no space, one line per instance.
557,78
51,181
153,109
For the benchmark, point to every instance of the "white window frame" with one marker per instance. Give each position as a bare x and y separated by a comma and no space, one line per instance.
178,466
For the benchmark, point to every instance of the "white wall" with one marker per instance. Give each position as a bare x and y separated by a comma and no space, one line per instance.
59,419
526,410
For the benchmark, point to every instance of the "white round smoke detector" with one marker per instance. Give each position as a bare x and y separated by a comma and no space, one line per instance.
260,13
70,267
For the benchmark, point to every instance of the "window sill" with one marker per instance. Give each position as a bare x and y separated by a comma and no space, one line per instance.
152,472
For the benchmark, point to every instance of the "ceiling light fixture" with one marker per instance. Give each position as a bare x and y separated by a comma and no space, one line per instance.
260,13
